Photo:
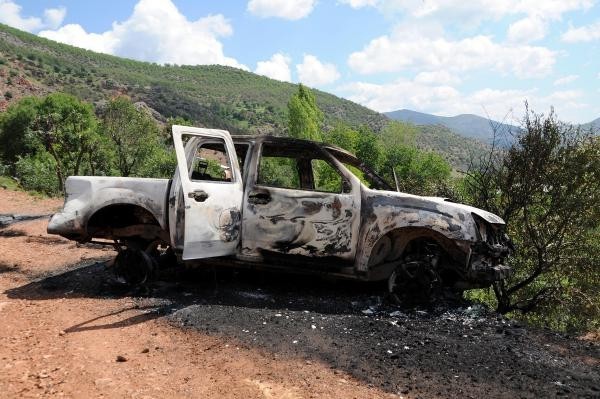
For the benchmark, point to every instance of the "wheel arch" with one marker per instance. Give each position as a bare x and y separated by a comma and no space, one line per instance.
400,238
129,218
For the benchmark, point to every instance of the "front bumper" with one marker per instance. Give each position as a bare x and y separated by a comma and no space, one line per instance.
487,263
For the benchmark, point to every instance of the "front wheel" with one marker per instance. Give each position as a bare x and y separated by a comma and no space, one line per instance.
416,278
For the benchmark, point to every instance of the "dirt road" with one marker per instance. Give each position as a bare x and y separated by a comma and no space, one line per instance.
68,329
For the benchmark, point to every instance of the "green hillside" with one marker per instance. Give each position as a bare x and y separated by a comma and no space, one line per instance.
212,96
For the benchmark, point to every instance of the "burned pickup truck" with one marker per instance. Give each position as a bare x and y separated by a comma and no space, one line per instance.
288,204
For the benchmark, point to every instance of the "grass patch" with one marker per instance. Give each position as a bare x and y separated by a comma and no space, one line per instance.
9,183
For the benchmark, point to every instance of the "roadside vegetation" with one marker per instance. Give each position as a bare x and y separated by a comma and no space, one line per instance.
546,186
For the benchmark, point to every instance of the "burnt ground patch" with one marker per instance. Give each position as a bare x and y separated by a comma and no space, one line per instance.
444,350
5,268
11,233
8,219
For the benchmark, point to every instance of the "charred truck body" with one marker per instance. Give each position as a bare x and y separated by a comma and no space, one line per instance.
285,204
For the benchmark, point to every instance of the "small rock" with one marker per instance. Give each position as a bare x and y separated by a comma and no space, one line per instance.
121,359
367,311
61,333
145,350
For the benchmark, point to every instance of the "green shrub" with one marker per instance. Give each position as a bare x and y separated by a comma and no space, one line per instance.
160,164
38,173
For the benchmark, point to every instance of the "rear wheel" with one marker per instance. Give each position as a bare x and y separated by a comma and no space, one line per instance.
135,266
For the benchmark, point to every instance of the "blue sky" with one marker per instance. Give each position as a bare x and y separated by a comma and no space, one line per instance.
438,56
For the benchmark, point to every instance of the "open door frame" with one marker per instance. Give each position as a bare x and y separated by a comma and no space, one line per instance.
212,208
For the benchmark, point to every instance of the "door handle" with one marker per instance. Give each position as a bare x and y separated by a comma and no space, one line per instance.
259,197
198,195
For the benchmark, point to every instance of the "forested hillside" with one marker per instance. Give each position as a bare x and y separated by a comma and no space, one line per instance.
213,96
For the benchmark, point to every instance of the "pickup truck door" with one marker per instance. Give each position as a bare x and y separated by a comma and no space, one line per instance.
212,189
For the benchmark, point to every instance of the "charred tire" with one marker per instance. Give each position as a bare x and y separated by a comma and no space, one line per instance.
135,267
416,278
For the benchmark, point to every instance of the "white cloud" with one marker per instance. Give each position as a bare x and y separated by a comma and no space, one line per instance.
528,29
440,77
474,10
54,17
360,3
315,73
277,67
447,100
75,35
10,14
565,80
411,48
286,9
585,33
156,32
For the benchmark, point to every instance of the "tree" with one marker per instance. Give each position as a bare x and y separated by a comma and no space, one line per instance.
66,127
15,129
368,147
546,186
167,130
304,116
133,132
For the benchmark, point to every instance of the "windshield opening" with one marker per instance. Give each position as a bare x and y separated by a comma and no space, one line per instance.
366,175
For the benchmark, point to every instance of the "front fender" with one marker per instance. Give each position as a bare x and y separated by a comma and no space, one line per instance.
384,213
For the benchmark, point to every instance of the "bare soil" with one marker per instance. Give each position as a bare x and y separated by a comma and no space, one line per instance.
69,329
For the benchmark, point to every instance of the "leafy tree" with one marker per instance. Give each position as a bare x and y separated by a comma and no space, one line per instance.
161,163
66,127
342,136
368,147
168,128
37,172
304,116
133,132
15,129
546,186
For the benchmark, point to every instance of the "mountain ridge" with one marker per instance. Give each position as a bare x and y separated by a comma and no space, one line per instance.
468,125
